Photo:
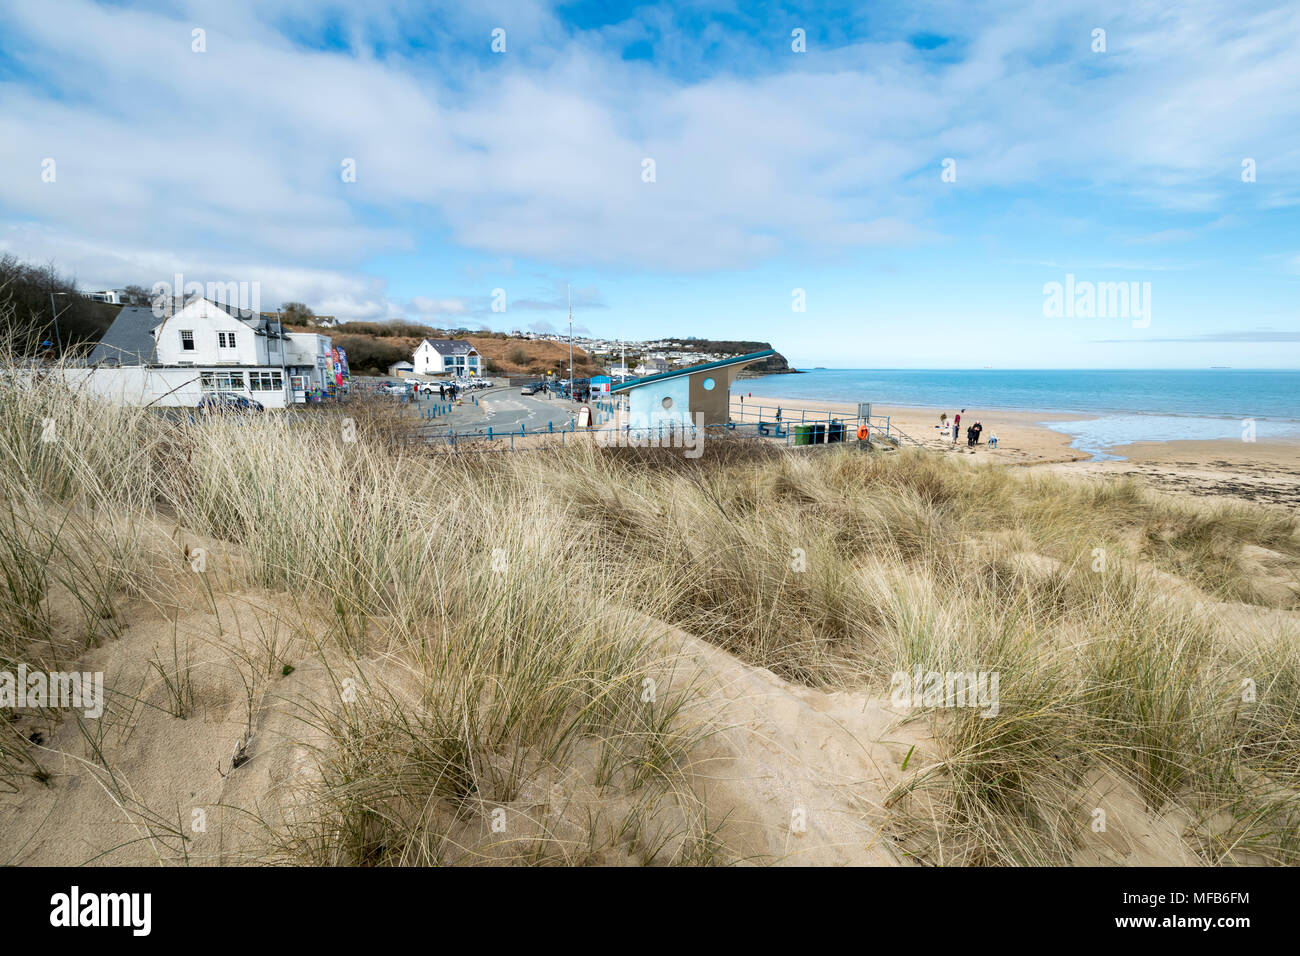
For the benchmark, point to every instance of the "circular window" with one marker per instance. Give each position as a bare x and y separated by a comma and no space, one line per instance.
708,384
667,402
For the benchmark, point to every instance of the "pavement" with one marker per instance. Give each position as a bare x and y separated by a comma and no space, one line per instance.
504,410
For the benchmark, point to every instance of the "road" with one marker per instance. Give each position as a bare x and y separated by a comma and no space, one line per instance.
504,410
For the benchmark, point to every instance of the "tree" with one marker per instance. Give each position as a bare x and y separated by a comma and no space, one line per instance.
136,295
295,313
26,288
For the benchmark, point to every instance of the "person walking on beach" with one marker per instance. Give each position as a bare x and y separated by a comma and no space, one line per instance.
974,433
956,427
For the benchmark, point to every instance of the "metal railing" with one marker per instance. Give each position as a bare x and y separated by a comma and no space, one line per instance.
745,411
607,432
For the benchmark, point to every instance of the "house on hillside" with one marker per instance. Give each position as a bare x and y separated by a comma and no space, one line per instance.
455,357
204,346
685,397
400,369
111,296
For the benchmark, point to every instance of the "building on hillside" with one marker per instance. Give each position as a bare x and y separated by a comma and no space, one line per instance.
400,369
684,397
454,357
111,296
204,346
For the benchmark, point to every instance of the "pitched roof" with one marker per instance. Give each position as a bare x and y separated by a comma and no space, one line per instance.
260,322
691,370
450,346
129,340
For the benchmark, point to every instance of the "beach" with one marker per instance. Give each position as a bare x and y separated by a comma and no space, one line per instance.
1022,440
1266,471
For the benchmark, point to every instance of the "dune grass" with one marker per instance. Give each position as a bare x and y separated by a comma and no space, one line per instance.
482,622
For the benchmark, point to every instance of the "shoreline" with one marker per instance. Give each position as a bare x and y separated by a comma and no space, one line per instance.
1266,471
1022,440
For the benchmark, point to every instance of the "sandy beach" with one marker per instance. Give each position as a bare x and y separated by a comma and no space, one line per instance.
1267,472
1022,440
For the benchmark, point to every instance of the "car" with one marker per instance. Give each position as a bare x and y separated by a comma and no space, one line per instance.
532,388
398,390
228,402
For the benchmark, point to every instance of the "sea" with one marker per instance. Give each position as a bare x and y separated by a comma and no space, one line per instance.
1113,407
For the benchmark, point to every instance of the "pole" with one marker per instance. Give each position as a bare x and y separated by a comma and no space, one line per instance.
284,374
58,341
572,389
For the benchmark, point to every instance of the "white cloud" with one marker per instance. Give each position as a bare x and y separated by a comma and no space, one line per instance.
234,155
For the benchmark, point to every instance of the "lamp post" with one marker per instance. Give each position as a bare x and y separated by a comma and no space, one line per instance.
573,392
58,341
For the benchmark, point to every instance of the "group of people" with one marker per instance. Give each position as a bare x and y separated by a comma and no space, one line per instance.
973,431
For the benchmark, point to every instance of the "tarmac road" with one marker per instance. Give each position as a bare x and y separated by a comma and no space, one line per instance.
504,410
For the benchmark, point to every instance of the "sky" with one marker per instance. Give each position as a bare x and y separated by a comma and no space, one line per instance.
861,185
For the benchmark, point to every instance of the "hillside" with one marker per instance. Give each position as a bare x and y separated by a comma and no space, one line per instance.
772,365
373,346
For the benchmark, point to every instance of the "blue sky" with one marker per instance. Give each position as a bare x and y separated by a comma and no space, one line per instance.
775,170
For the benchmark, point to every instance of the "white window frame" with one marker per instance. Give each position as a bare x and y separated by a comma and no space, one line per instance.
265,381
187,340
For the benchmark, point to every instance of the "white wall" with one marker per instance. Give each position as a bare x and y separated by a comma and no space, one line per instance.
163,387
205,320
428,361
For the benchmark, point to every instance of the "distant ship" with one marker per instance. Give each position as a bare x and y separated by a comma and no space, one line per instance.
1220,366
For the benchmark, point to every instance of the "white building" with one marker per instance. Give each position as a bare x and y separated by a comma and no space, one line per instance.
111,296
205,347
454,357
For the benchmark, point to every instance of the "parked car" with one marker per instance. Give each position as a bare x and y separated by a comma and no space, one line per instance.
228,402
398,390
532,388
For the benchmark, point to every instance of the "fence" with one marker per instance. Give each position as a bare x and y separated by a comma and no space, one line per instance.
743,411
606,431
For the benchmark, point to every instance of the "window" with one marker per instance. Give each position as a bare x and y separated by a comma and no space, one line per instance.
707,384
187,340
209,381
298,382
229,381
667,402
265,381
226,340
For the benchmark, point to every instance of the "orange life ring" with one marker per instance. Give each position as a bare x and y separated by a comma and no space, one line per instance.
862,432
